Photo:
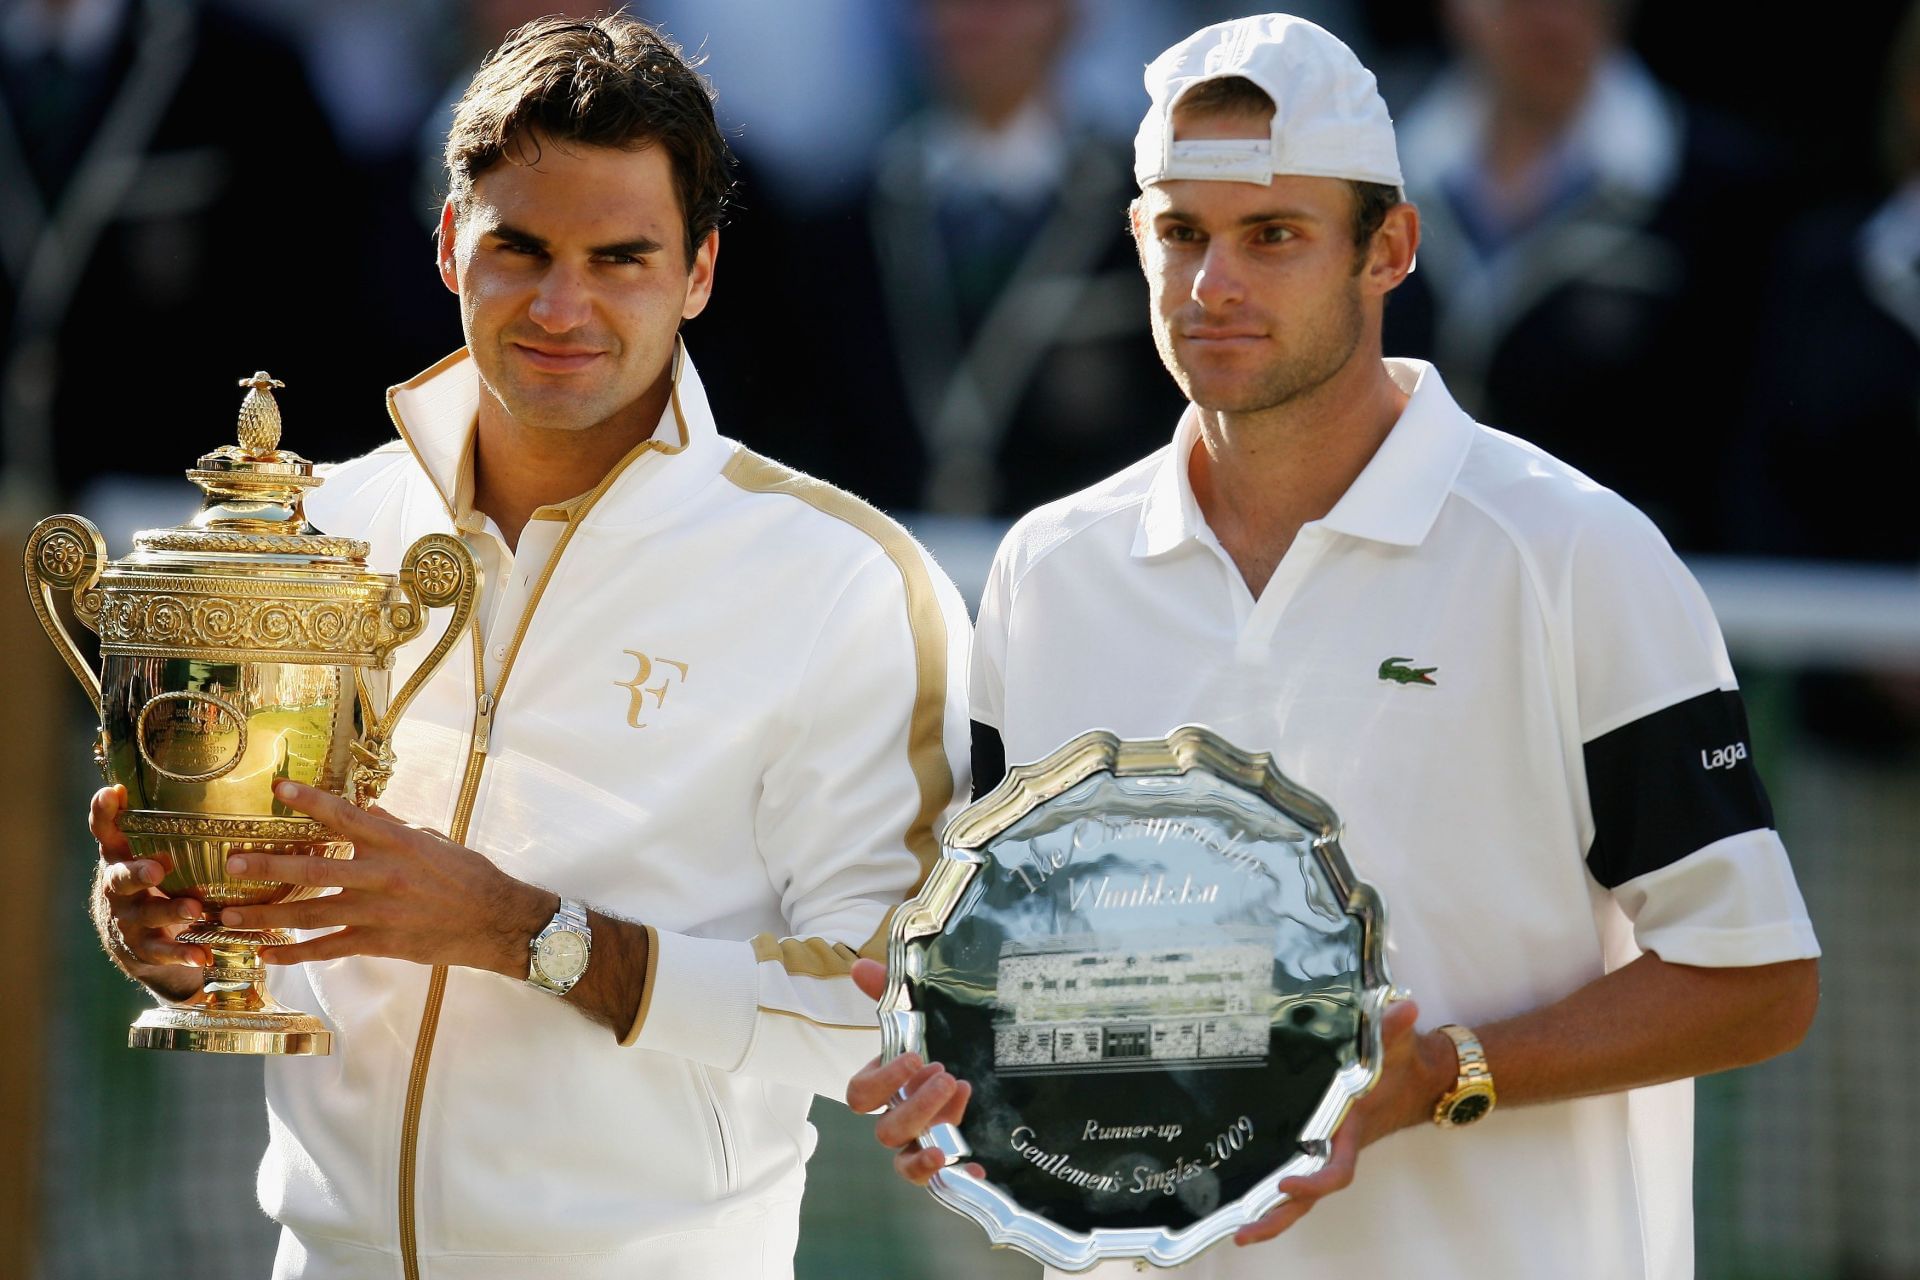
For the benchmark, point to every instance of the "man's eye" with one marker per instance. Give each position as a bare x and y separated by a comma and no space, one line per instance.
1275,235
524,250
623,259
1180,233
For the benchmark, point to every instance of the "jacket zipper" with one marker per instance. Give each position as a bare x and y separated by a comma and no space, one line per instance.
485,704
437,983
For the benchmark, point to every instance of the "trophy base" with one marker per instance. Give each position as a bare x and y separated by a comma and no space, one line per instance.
232,1012
184,1027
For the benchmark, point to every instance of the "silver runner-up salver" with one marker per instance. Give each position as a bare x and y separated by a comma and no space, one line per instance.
1153,963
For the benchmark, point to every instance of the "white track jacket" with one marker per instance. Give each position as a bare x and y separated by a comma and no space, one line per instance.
734,712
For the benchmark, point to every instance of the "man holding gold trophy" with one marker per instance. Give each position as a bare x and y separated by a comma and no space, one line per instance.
1497,672
588,967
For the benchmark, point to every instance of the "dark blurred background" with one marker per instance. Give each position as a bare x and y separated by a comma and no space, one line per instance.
1676,244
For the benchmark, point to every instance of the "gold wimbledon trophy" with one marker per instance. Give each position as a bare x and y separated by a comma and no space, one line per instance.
236,650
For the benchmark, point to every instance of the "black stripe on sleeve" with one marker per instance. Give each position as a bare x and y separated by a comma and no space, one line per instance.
1672,782
989,759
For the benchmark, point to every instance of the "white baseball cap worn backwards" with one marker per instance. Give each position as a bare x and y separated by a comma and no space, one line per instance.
1328,121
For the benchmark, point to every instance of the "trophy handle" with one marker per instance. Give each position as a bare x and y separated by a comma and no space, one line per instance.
437,571
67,553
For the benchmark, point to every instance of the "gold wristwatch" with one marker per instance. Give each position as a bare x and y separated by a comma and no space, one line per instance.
1472,1094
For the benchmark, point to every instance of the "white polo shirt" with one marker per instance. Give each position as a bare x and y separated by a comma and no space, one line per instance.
1518,700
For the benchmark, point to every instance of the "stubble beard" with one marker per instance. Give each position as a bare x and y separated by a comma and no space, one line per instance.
548,410
549,407
1323,346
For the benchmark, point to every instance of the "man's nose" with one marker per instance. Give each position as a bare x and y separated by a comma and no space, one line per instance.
1218,282
561,303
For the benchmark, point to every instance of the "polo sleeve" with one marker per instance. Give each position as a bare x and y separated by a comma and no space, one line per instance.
865,770
1680,830
987,680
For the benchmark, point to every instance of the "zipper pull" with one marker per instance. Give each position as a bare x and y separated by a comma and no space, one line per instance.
482,723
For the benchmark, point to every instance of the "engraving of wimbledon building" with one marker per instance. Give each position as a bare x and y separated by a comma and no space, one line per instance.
1068,1003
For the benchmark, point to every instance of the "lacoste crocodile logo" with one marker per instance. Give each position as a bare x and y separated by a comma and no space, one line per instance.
1396,670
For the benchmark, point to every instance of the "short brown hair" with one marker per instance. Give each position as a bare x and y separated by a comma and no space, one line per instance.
612,82
1237,95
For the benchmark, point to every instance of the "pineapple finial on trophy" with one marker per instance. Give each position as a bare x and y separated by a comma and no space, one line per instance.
260,416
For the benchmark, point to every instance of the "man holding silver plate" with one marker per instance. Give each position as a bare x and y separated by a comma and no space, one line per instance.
1496,672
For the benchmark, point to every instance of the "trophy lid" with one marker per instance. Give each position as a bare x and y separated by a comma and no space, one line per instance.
255,492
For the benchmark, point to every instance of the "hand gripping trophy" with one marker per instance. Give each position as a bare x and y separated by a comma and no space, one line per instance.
236,650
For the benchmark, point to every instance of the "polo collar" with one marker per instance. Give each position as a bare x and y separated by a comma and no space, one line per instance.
1170,517
437,413
1394,500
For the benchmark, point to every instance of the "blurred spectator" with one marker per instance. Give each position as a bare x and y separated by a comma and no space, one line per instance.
374,65
1835,437
1588,269
173,215
1836,390
805,90
967,336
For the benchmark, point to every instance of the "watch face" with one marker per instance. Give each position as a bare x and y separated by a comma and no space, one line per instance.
563,955
1470,1108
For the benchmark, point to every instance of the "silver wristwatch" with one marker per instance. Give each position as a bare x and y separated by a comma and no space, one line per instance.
557,956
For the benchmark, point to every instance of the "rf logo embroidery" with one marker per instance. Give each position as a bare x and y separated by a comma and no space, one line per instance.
637,688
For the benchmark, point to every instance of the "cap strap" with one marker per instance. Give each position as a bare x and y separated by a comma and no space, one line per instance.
1221,160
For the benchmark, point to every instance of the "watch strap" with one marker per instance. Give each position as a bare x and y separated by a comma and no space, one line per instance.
1474,1081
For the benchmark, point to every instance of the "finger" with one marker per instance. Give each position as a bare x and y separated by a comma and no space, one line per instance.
331,912
305,869
922,1098
348,819
331,946
875,1084
1337,1173
956,1109
909,1119
103,820
871,977
125,879
1272,1222
1396,1022
162,945
924,1074
919,1164
155,913
157,948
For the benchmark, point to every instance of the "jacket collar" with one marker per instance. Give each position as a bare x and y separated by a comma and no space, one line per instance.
1395,498
437,413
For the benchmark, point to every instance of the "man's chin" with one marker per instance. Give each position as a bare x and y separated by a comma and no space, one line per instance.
554,411
1222,395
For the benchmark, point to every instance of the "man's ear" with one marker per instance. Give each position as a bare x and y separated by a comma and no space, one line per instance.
1137,224
1390,256
449,228
700,275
